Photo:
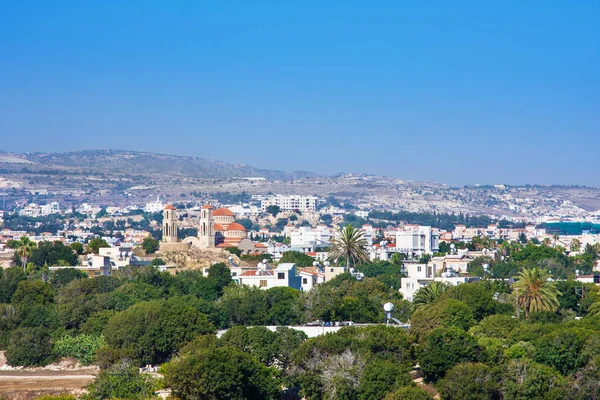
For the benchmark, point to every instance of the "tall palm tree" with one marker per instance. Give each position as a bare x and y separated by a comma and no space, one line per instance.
349,244
428,294
24,249
575,245
534,291
555,238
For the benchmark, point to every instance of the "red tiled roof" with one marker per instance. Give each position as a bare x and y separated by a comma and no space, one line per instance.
170,207
223,212
236,227
207,206
219,227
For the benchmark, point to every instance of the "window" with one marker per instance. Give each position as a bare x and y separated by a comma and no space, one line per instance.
263,283
331,269
280,275
418,269
304,281
234,274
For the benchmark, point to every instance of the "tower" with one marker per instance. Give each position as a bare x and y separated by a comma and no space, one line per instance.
206,231
169,226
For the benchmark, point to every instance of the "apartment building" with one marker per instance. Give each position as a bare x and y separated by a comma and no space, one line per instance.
290,203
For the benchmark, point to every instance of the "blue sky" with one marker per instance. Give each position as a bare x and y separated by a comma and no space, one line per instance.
453,91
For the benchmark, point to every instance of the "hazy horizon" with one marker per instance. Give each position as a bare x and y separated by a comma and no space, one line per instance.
457,93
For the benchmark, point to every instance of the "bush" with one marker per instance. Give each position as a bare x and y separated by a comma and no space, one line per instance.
121,381
562,349
525,379
29,347
443,313
443,348
153,330
408,393
469,381
221,373
82,347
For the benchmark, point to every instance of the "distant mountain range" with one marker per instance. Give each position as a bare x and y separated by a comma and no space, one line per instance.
140,163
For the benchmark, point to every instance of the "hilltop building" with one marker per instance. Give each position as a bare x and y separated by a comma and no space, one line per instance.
216,229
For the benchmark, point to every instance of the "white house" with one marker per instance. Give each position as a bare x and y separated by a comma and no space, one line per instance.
421,275
308,239
266,278
290,203
418,239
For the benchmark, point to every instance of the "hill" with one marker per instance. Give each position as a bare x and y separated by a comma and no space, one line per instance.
139,163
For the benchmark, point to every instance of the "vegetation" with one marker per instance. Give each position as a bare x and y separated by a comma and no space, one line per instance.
349,244
466,338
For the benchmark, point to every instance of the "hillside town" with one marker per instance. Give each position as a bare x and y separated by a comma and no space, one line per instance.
269,227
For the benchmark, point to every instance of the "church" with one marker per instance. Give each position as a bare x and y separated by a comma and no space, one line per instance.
216,229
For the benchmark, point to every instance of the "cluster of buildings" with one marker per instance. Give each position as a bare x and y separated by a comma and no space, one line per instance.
220,228
36,210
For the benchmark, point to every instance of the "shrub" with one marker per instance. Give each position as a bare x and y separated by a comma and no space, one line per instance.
82,347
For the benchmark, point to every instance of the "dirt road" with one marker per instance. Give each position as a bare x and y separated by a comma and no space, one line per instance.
30,384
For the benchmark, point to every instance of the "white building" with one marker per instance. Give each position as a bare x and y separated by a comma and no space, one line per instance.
421,275
266,278
418,239
244,210
308,239
362,214
290,203
88,209
310,279
154,206
35,210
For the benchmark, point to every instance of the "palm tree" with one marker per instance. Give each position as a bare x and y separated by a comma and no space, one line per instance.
594,308
428,294
534,291
349,243
555,237
24,249
575,245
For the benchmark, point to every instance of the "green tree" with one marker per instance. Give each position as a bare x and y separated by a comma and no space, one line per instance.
65,275
562,349
428,294
298,258
220,373
9,279
24,250
273,210
470,381
95,244
121,381
349,244
381,376
29,347
409,393
77,247
443,348
443,313
478,296
33,292
53,253
150,245
534,291
153,330
526,380
245,305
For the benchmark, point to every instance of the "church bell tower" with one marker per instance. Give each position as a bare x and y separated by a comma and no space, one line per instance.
169,225
206,231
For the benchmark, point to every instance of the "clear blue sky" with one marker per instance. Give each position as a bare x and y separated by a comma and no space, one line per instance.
453,91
